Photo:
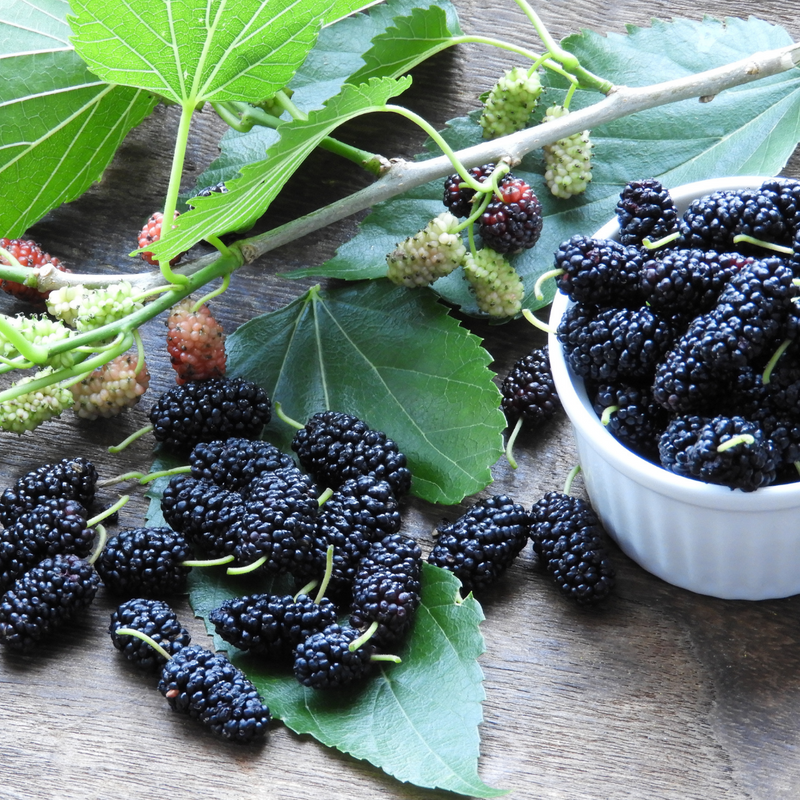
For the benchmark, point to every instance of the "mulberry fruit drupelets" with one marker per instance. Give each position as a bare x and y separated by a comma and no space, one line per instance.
195,343
42,599
271,625
568,161
731,451
204,513
150,233
513,222
528,391
54,527
459,199
645,211
482,544
111,389
510,102
568,538
29,254
599,272
324,660
276,531
202,411
73,478
361,511
386,590
154,618
236,462
334,446
207,687
147,562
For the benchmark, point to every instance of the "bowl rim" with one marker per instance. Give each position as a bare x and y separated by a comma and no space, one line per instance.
573,396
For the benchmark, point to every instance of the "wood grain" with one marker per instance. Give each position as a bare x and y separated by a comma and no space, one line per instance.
664,694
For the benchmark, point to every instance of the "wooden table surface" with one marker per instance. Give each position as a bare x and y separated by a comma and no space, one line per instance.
662,694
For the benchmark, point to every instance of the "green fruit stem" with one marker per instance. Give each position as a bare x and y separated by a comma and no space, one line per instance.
74,373
243,117
106,513
208,562
176,172
326,578
364,638
573,473
567,60
510,444
766,376
742,438
145,638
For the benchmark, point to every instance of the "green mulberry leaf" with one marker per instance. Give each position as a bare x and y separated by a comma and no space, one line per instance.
393,358
409,41
59,125
199,50
417,720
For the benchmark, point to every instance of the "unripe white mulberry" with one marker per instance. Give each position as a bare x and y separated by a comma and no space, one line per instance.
497,286
28,411
111,388
510,103
568,162
428,255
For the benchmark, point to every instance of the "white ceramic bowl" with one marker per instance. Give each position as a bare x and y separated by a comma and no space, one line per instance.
710,539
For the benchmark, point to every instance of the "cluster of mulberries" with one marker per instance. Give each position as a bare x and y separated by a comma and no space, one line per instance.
688,350
45,577
509,222
249,504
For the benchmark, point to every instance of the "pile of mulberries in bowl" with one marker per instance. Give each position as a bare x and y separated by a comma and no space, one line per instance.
685,328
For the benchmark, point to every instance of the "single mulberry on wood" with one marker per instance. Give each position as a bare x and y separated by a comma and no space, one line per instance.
568,537
210,689
529,391
483,543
